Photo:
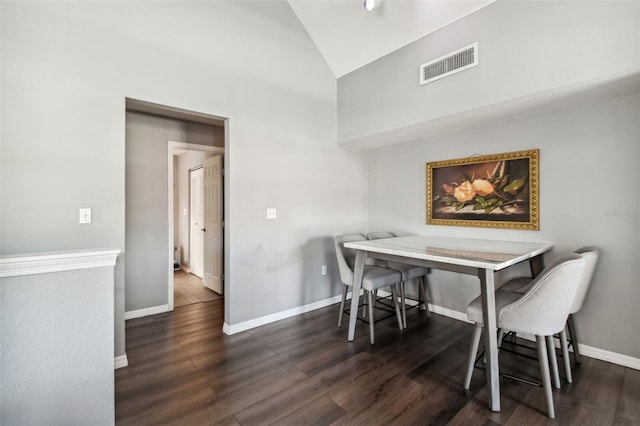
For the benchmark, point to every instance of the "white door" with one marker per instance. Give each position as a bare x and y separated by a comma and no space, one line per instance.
196,237
213,217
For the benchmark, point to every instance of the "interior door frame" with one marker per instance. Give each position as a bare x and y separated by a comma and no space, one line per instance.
173,148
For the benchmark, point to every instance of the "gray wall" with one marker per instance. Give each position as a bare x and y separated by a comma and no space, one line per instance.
56,366
527,50
588,154
67,68
147,221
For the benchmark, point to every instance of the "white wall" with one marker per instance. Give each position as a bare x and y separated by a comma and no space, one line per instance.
588,166
66,70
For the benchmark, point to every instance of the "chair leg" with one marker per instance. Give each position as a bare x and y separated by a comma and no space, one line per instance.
573,335
365,305
500,337
394,295
473,351
553,360
371,319
565,356
544,372
403,305
344,300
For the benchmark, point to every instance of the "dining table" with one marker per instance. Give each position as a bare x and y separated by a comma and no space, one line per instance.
478,257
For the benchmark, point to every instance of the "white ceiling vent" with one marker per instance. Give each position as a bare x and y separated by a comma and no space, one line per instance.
449,64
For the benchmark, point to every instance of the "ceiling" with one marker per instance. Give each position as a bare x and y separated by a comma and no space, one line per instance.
349,37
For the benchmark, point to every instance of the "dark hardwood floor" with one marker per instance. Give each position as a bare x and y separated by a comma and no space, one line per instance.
184,371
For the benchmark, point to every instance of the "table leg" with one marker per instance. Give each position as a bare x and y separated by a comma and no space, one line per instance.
487,288
537,265
358,270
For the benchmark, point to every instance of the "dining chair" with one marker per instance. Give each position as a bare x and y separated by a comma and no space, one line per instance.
521,285
542,311
409,272
373,278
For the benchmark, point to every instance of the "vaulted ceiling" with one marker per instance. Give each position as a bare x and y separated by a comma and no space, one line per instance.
349,37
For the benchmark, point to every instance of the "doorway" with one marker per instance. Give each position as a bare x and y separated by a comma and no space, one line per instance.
188,213
201,281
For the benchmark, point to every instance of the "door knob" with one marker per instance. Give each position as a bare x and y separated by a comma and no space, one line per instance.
203,230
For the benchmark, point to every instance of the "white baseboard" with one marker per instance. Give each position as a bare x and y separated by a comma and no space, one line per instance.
120,361
146,312
612,357
450,313
267,319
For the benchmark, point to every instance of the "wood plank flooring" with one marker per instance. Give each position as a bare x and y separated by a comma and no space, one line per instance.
188,289
302,371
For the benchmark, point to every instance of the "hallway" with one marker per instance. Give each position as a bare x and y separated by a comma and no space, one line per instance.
188,289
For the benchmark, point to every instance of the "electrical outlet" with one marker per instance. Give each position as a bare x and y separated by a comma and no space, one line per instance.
324,270
271,213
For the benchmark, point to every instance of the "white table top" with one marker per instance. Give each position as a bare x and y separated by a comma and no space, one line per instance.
486,254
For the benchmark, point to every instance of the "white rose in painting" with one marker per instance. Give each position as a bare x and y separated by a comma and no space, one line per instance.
482,187
464,192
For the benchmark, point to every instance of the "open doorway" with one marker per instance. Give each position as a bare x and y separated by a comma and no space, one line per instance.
196,213
188,283
150,250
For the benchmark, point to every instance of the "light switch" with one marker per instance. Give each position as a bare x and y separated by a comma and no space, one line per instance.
85,215
271,213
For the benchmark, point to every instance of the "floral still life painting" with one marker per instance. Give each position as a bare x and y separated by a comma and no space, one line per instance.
498,191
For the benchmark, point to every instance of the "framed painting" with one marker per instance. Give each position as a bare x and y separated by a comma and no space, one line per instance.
489,191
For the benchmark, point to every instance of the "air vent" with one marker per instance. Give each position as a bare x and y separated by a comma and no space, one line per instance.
449,64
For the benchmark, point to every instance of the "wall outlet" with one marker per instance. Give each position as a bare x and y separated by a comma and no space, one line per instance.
324,270
271,213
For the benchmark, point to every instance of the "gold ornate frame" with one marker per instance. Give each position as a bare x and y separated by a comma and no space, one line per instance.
504,193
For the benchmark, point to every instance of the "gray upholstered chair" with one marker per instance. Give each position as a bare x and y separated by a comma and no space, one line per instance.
541,311
373,278
521,285
590,255
409,272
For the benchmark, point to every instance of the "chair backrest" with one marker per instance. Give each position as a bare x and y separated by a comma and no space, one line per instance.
543,310
346,257
590,256
379,235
